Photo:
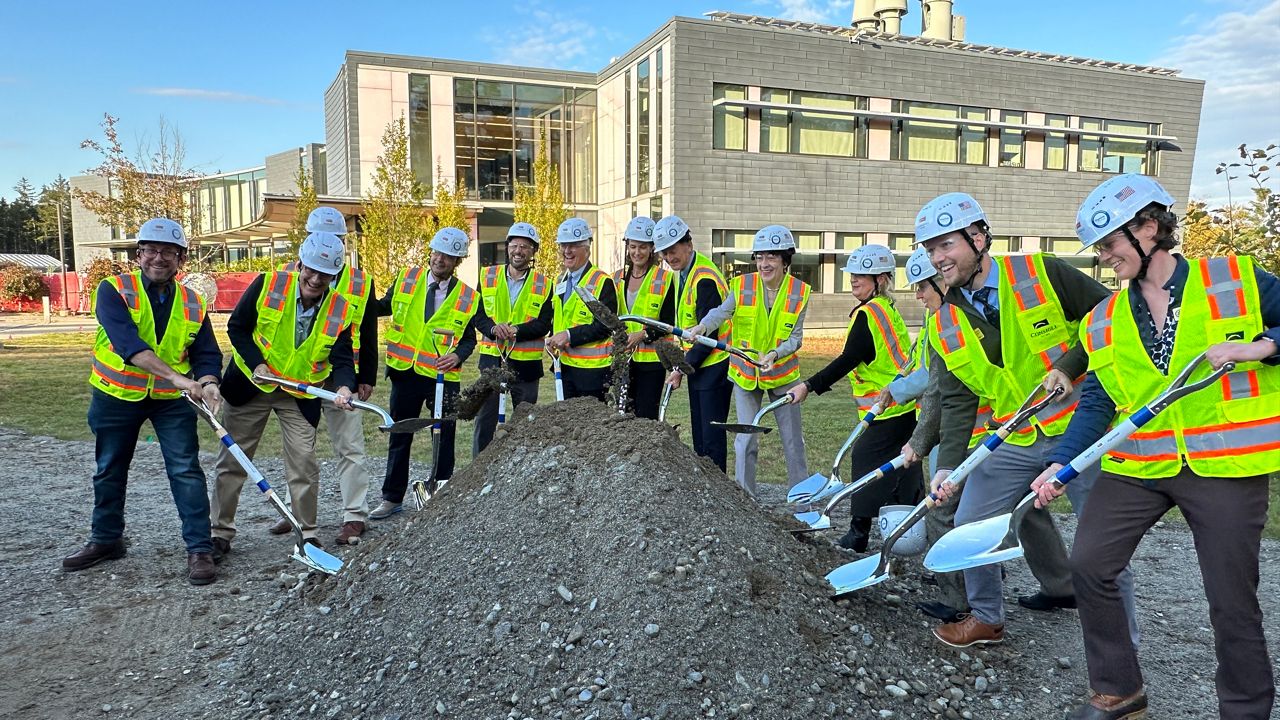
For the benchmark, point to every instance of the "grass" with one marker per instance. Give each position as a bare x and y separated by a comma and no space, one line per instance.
44,391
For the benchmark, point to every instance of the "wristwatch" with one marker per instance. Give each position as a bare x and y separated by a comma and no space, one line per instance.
207,383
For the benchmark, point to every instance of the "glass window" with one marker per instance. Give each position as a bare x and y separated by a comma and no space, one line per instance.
1055,144
1123,155
1090,146
655,208
818,133
626,134
657,105
642,126
774,124
464,134
845,243
581,176
420,159
940,142
973,138
808,268
1012,141
729,123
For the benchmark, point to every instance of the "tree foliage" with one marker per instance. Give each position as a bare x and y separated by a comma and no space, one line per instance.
541,204
1250,229
448,206
18,282
307,201
99,270
395,226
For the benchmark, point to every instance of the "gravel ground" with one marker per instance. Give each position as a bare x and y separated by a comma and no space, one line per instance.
586,566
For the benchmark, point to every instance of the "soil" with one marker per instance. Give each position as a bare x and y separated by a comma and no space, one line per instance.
586,565
472,398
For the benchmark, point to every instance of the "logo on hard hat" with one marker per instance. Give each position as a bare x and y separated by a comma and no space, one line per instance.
177,233
1100,218
866,262
945,219
577,232
648,232
916,269
776,239
457,245
672,232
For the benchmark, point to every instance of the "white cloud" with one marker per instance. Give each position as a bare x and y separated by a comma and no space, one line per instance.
831,12
213,95
556,42
1238,57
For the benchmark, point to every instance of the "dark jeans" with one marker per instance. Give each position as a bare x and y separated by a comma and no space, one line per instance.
1226,517
409,394
644,387
116,424
487,418
878,445
585,382
710,391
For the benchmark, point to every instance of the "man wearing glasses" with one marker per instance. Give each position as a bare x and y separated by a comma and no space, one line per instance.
582,340
153,338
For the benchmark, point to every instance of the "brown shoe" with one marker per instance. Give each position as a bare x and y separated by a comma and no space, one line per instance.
969,631
350,529
200,570
1112,707
92,554
281,527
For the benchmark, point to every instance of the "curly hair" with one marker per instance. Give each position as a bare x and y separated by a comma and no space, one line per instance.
1166,223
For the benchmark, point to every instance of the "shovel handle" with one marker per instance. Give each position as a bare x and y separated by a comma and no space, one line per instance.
319,392
662,405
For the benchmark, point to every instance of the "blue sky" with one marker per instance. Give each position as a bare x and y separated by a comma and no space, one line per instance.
243,80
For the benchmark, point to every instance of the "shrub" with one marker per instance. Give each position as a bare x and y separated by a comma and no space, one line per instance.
18,282
99,270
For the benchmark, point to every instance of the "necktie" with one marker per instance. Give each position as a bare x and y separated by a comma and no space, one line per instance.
992,314
431,299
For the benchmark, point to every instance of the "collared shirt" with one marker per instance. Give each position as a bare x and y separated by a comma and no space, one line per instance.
572,278
993,297
304,317
439,291
515,285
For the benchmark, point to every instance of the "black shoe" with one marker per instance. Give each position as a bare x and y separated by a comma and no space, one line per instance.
1112,707
1047,603
221,548
858,536
92,554
941,611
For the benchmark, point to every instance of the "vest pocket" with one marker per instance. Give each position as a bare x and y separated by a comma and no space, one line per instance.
1248,409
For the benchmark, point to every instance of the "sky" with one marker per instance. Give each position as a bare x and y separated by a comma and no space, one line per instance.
241,81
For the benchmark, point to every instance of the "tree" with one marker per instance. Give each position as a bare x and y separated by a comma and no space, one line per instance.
1252,229
307,202
16,219
448,208
395,225
541,204
54,203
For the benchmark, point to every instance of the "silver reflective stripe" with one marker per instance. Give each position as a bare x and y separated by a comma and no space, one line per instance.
1236,441
1241,384
1223,286
1025,281
1149,447
119,377
1098,331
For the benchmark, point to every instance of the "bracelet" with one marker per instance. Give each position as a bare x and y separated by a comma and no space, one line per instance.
207,383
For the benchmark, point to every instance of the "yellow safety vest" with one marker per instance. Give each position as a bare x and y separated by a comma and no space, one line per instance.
497,304
889,333
113,376
921,360
687,303
411,340
1230,429
574,313
653,290
352,282
1034,333
761,329
276,331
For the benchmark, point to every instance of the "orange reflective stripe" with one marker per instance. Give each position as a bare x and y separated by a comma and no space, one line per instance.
336,318
410,282
1026,284
356,279
466,300
1221,277
490,279
795,295
539,284
401,351
293,266
885,327
130,291
121,378
1149,446
949,330
659,280
587,352
190,305
277,290
1098,333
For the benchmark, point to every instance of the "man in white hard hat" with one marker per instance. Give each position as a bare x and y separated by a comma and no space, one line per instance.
290,325
582,340
346,431
154,343
515,316
432,331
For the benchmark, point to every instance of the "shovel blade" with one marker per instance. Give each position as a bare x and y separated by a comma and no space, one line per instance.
805,490
742,428
972,545
857,575
813,520
408,425
317,559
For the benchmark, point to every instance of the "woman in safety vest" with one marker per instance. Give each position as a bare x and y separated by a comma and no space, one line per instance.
876,351
767,308
644,288
1209,455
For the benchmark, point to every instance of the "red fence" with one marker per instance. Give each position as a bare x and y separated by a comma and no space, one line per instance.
230,287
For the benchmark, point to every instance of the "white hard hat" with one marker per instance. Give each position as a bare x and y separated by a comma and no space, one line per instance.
327,220
669,231
912,541
450,241
322,252
919,268
524,230
1114,203
573,230
639,229
162,230
947,213
870,260
773,238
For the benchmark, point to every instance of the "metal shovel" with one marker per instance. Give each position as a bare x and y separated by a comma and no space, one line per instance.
555,369
874,570
662,405
411,425
817,486
743,354
822,520
424,489
304,552
995,540
755,428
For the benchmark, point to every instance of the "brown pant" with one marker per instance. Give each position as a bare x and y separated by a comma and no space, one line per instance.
1226,517
246,423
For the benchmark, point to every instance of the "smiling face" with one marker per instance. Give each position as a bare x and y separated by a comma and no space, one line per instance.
679,256
863,286
1117,252
312,285
771,268
951,255
160,262
639,253
575,255
932,299
442,265
520,252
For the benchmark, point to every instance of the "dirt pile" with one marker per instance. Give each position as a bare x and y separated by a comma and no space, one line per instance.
589,565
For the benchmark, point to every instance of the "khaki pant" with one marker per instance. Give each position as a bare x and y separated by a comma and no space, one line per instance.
346,433
302,471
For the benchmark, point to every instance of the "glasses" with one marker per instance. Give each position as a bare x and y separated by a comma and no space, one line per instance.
166,253
520,246
1107,244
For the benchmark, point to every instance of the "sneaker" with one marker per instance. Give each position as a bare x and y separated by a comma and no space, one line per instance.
350,529
385,510
969,631
281,527
200,570
92,554
1112,707
221,548
1047,603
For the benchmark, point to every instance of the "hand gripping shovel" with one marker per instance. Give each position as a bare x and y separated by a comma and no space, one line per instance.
874,570
304,552
424,489
411,425
556,370
755,428
822,520
817,486
744,354
995,540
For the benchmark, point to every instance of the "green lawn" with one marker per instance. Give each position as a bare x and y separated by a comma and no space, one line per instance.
44,391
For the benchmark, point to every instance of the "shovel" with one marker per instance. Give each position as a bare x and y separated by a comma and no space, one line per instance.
995,540
822,520
304,552
503,355
740,353
755,428
600,311
411,425
817,486
874,570
662,405
555,368
424,489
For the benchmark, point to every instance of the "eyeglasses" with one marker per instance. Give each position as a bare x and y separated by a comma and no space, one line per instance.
166,253
520,246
